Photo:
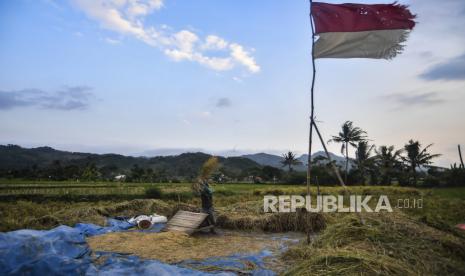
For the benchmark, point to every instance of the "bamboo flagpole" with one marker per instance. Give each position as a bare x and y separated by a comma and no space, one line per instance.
312,117
312,110
375,31
313,125
312,107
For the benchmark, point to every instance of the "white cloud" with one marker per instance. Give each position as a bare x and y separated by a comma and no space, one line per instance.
244,58
126,17
112,41
215,63
185,40
139,8
213,42
184,47
109,13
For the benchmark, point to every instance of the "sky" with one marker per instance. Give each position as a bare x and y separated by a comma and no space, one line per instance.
225,77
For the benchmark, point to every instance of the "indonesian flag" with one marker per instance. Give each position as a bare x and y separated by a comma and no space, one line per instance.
360,31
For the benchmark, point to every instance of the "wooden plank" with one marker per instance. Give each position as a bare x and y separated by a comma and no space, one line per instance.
177,226
180,212
187,218
185,221
176,220
192,215
185,224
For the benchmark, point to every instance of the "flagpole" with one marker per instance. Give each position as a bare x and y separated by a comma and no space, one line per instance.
312,107
313,124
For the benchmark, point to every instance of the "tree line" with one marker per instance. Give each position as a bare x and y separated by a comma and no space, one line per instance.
410,165
382,165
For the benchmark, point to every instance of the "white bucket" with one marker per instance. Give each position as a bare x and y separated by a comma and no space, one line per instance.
145,222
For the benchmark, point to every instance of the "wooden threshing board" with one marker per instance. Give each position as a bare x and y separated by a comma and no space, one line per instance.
185,221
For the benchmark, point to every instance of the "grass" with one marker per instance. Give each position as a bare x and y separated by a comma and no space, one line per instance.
457,193
46,215
409,241
388,244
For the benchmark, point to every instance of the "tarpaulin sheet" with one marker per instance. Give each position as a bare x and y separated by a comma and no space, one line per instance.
64,251
240,263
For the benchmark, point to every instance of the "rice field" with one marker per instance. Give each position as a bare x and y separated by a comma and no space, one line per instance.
409,241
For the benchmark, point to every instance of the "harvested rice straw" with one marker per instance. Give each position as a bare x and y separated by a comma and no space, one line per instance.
173,247
207,169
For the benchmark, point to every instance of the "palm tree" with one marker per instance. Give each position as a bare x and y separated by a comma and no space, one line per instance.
417,157
290,160
350,135
387,161
363,160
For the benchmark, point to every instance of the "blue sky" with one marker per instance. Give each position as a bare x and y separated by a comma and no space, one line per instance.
222,76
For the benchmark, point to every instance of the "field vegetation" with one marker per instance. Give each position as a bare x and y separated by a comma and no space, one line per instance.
409,241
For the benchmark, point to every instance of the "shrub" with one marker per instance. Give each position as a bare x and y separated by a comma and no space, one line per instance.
182,196
455,177
224,192
296,178
153,192
431,181
275,192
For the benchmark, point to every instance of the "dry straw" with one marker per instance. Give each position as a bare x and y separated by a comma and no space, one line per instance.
208,168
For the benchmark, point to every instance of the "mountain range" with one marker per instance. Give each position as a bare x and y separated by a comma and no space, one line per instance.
266,159
13,157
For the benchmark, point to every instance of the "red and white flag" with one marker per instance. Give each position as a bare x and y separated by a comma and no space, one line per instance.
360,31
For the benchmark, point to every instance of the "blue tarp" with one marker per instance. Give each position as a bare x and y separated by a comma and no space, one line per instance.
239,262
64,251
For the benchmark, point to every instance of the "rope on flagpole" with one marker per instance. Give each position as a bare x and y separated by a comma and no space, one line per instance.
336,171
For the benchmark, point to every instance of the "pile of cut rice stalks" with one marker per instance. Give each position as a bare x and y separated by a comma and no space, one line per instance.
173,247
387,244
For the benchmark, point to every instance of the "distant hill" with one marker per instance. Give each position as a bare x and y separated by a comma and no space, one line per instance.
266,159
340,160
16,158
13,157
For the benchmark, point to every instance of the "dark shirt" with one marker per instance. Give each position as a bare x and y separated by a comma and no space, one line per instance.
206,196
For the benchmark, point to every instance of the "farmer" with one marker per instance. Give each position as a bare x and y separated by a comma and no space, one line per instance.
206,195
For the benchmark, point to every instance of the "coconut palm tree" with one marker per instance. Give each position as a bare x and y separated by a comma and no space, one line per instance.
290,160
363,159
417,157
387,162
349,135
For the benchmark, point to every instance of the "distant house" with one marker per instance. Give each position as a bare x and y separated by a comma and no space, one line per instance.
121,177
